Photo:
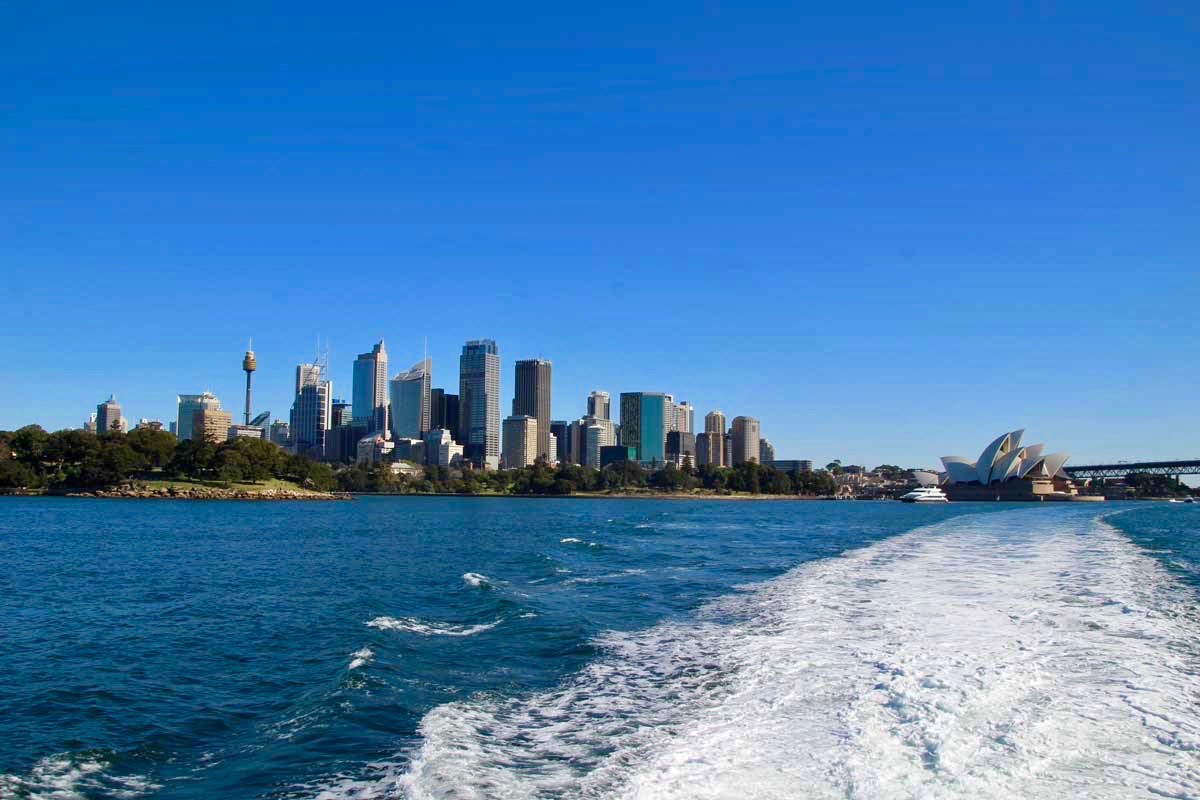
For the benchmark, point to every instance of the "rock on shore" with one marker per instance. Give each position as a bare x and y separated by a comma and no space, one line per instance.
211,493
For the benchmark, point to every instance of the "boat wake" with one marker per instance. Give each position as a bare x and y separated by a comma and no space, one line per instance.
1034,653
412,625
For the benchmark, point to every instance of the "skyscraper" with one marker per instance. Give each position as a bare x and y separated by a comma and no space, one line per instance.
714,439
685,417
558,429
643,424
598,405
370,394
745,440
766,452
187,405
520,441
409,393
211,423
108,416
479,401
343,412
532,397
312,411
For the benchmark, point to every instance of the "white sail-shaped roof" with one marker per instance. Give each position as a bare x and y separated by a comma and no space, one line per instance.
983,466
1005,459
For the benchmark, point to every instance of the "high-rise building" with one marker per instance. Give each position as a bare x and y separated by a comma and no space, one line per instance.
599,405
343,412
714,439
585,436
520,441
437,409
532,397
553,459
479,401
766,452
211,423
90,425
644,424
685,417
745,440
312,412
307,374
187,405
441,449
409,393
559,430
149,424
108,416
279,433
370,393
681,445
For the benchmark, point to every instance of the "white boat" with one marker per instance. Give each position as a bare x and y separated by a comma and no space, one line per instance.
925,494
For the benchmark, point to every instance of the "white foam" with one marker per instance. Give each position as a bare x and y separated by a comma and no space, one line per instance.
412,625
625,573
1033,654
67,777
570,540
475,579
361,657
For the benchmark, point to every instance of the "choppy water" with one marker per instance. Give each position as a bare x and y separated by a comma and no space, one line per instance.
442,647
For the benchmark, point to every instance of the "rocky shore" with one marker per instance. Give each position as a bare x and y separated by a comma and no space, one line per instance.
211,493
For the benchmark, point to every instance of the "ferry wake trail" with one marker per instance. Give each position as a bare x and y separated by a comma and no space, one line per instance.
1013,654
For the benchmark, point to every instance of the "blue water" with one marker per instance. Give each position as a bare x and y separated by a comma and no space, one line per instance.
445,647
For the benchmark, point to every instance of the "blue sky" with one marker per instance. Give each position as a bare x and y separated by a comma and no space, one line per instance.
889,233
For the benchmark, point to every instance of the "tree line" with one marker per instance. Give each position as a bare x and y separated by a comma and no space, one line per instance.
626,476
34,460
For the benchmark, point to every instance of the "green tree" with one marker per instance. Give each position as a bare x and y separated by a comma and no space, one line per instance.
156,447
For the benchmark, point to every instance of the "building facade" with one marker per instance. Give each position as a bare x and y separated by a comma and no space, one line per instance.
599,405
211,425
479,401
644,424
186,406
559,429
714,440
312,412
108,416
531,397
369,392
745,440
520,441
766,452
279,433
681,447
409,396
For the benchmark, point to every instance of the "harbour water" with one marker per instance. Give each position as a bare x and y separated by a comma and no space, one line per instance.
468,648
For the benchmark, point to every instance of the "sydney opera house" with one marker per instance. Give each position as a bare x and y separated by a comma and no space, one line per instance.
1007,471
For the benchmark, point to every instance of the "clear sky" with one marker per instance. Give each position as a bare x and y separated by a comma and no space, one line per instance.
889,233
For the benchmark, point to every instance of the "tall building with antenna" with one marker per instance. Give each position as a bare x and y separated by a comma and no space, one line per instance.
249,365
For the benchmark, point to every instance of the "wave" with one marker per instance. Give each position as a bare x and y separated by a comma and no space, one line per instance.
361,657
69,776
610,576
413,625
574,540
1034,653
475,579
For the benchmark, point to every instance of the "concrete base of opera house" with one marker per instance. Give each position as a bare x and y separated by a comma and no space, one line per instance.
1019,490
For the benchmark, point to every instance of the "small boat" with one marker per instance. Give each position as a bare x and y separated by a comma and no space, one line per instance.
925,494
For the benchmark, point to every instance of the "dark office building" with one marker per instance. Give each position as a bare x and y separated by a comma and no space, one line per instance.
615,454
561,430
679,444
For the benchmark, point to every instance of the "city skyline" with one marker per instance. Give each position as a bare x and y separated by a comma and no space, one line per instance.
889,206
577,406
